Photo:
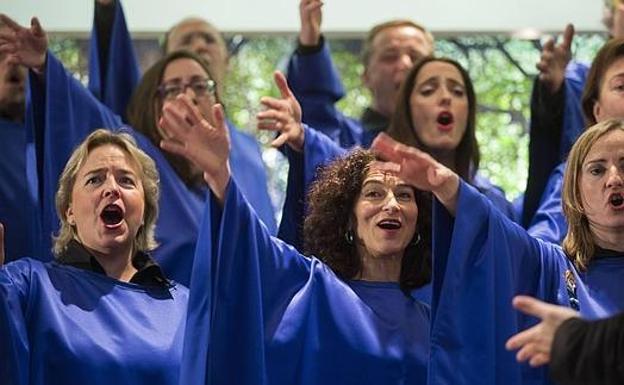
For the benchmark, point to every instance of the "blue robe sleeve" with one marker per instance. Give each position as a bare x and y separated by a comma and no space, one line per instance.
113,66
242,282
318,150
250,174
556,121
62,113
573,116
481,260
496,195
315,82
14,346
549,223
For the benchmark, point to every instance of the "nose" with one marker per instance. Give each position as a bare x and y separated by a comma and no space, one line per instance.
615,177
391,205
111,188
445,96
405,62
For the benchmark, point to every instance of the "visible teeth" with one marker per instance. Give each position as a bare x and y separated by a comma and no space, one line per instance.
389,225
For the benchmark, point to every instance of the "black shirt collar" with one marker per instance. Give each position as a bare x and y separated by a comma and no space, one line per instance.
606,253
148,272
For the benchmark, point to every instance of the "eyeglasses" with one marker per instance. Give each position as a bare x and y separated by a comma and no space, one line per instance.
200,87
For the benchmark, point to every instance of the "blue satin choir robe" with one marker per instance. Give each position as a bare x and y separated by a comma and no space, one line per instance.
316,84
61,325
549,223
64,113
18,203
262,313
481,261
318,151
113,83
556,122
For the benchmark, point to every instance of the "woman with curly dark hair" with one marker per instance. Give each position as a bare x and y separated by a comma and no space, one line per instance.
272,315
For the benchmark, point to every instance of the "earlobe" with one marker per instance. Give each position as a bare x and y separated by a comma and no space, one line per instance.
69,214
596,111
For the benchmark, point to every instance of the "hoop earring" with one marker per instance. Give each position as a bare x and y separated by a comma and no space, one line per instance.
416,241
349,237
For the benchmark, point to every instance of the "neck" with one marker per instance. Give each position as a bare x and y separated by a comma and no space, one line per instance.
380,269
446,157
383,108
117,264
608,238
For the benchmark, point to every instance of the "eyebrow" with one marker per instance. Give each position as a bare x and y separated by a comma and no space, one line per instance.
207,37
100,170
193,78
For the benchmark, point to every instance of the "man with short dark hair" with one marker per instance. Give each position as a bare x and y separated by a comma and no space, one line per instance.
389,51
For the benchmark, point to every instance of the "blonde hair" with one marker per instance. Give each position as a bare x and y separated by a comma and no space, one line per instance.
578,243
144,240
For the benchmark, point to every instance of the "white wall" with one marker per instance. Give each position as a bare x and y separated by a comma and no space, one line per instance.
341,16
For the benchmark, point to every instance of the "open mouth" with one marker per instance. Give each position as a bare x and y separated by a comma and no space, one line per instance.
112,215
389,224
616,200
445,120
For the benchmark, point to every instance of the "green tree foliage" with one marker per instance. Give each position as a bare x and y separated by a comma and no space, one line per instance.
502,70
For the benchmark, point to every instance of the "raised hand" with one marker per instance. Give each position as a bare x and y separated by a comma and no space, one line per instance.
25,46
555,59
282,115
617,30
206,145
420,169
535,343
311,16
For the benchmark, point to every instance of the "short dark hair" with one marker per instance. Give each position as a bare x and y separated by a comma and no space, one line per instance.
331,202
401,128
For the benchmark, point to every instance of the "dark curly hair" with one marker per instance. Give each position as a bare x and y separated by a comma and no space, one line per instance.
331,201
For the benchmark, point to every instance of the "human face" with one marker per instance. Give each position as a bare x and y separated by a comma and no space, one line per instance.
12,86
602,184
204,40
184,71
439,106
107,202
385,215
393,52
610,103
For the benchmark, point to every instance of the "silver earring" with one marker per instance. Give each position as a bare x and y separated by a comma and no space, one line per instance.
349,237
417,240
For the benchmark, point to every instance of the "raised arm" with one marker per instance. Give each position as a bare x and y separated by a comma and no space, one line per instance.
316,82
113,66
25,46
421,170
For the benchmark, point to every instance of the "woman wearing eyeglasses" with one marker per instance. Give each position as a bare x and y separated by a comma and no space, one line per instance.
64,112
